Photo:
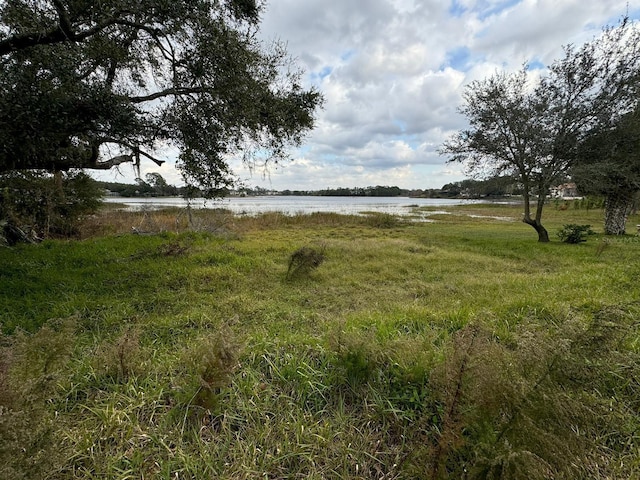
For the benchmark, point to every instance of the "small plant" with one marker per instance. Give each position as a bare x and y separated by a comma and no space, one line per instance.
122,358
602,246
305,260
211,362
572,233
357,357
32,367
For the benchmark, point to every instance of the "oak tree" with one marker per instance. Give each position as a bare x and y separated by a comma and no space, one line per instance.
530,127
90,84
608,164
505,139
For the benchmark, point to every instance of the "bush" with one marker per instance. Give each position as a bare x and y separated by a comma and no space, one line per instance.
38,205
571,233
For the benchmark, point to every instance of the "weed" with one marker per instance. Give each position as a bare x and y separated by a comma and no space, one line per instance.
173,249
31,367
210,362
305,260
536,410
121,359
383,220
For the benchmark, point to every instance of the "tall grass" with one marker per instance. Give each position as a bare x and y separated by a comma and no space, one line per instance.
460,348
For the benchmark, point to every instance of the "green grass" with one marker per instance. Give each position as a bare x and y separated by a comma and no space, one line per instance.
415,350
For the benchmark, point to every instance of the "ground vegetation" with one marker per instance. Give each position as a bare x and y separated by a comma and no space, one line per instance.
413,350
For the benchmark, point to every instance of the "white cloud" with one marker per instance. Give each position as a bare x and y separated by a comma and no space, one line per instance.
393,72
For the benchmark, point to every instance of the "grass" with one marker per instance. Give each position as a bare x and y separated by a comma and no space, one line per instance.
414,350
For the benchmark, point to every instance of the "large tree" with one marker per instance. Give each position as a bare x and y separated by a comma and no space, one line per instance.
608,164
530,127
505,138
94,84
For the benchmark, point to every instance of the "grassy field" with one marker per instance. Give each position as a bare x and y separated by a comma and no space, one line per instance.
455,348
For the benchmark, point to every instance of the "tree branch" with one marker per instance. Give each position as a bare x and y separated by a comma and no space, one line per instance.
177,91
155,160
65,22
62,33
131,158
112,162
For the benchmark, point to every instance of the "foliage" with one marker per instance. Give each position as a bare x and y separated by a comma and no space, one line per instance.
36,205
531,129
30,369
537,406
572,233
119,359
84,80
608,164
439,350
210,363
498,186
144,188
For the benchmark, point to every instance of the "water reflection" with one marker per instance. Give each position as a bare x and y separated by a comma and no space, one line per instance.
293,205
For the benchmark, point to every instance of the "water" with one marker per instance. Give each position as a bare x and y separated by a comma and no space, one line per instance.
293,205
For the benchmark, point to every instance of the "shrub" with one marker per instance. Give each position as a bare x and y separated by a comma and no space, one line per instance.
572,233
36,205
304,260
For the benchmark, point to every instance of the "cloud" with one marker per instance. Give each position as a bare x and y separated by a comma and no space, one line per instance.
393,73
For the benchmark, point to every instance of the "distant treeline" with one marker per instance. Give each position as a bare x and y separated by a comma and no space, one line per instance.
493,187
156,186
377,191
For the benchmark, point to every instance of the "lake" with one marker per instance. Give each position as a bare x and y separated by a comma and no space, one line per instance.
293,205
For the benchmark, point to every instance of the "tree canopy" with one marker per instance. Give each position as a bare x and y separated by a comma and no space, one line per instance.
92,85
506,137
608,164
530,127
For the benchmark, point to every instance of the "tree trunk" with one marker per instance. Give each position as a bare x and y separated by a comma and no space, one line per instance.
616,211
536,223
543,235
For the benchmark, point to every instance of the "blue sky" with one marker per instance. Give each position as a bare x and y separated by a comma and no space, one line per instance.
393,72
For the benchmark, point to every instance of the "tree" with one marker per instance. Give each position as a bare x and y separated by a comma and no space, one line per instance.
160,185
531,129
608,164
505,138
34,205
93,85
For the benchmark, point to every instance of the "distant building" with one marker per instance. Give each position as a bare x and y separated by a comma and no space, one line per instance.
566,190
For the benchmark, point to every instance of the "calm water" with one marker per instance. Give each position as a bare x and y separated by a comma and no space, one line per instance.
292,205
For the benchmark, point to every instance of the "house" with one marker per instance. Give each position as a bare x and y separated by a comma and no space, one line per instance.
566,190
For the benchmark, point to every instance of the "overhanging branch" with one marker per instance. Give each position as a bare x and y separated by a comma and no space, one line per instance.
177,91
133,157
112,162
63,32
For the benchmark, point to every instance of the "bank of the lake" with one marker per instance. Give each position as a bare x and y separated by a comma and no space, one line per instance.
322,346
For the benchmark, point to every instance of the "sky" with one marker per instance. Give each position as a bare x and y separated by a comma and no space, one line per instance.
393,72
